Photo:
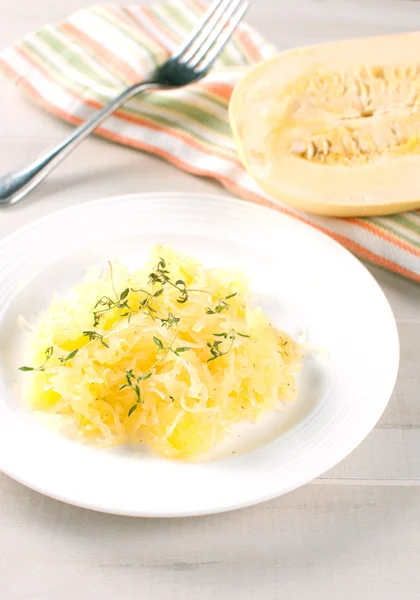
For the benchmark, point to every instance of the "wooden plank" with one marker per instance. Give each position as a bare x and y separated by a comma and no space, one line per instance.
386,454
288,25
403,295
317,542
404,407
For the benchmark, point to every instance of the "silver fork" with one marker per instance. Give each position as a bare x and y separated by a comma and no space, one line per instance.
190,62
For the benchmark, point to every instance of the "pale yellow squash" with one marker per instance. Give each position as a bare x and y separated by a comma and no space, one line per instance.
334,128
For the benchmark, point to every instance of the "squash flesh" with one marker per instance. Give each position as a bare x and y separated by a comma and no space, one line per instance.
335,128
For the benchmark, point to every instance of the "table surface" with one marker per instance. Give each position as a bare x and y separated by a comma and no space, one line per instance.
352,533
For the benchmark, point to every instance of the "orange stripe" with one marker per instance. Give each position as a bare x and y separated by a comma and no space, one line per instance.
26,54
125,116
226,181
197,4
146,31
123,14
9,72
385,235
158,23
223,90
118,66
252,50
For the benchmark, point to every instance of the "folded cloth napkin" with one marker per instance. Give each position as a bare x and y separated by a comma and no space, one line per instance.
72,68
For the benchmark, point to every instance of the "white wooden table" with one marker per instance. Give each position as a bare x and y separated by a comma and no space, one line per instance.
353,533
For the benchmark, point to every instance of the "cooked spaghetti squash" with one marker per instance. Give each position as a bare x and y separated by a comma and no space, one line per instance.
170,355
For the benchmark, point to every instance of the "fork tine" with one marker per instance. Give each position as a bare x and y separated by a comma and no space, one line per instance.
198,28
208,52
207,30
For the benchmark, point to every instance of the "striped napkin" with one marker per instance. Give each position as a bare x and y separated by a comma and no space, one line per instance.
72,68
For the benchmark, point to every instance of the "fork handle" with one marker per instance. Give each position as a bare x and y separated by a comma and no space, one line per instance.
15,185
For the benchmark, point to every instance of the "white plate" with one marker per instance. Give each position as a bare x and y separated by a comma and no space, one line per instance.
302,278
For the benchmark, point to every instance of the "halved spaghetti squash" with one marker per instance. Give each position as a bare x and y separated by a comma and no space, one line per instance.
335,128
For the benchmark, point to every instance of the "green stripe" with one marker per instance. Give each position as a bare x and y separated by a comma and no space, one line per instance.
385,227
71,57
192,111
176,15
74,60
111,68
402,220
182,109
158,17
111,19
176,126
59,76
69,82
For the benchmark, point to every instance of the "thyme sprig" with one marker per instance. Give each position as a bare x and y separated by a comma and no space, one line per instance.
170,348
161,347
110,304
161,275
170,321
133,383
220,306
216,349
94,335
48,354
